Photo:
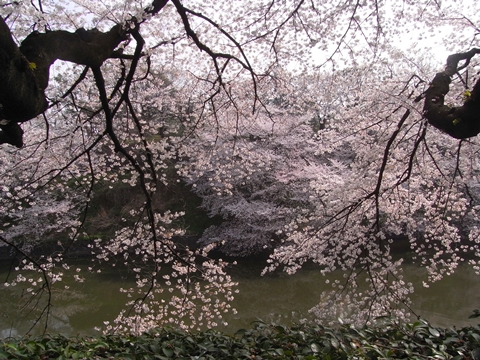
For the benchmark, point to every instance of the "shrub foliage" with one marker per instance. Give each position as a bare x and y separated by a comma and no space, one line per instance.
387,340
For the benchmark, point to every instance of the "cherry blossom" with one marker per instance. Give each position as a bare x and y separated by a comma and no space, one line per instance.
307,127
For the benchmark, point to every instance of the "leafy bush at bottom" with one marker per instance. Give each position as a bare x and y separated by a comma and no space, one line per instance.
386,340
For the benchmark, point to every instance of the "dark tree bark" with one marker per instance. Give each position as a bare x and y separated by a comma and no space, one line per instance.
21,98
24,70
460,122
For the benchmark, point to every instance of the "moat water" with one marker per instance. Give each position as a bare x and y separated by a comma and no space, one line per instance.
279,298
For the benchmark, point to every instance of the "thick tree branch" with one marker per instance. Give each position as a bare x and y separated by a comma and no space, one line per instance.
24,70
84,47
459,122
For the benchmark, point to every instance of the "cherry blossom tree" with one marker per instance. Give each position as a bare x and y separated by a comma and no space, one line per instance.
300,123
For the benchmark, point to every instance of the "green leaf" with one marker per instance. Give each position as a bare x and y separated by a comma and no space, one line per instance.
450,339
280,329
475,336
11,346
266,345
168,352
155,348
434,332
315,348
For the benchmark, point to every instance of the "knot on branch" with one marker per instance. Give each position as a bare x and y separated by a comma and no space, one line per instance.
459,122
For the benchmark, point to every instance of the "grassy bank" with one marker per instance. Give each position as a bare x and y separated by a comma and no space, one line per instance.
387,340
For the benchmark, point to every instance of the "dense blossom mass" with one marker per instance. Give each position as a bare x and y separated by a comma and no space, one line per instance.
337,133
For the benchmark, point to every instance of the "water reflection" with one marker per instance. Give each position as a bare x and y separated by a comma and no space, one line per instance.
77,308
447,302
279,298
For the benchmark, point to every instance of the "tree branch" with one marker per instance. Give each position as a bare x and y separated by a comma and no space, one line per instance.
460,122
24,70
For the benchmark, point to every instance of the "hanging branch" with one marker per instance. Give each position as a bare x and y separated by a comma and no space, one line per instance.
45,287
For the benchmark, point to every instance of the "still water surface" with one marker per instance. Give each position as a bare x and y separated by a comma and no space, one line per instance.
276,298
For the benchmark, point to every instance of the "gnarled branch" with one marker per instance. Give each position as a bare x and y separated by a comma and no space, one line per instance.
24,70
459,122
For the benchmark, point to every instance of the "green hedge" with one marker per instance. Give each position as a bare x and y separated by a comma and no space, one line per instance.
387,340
